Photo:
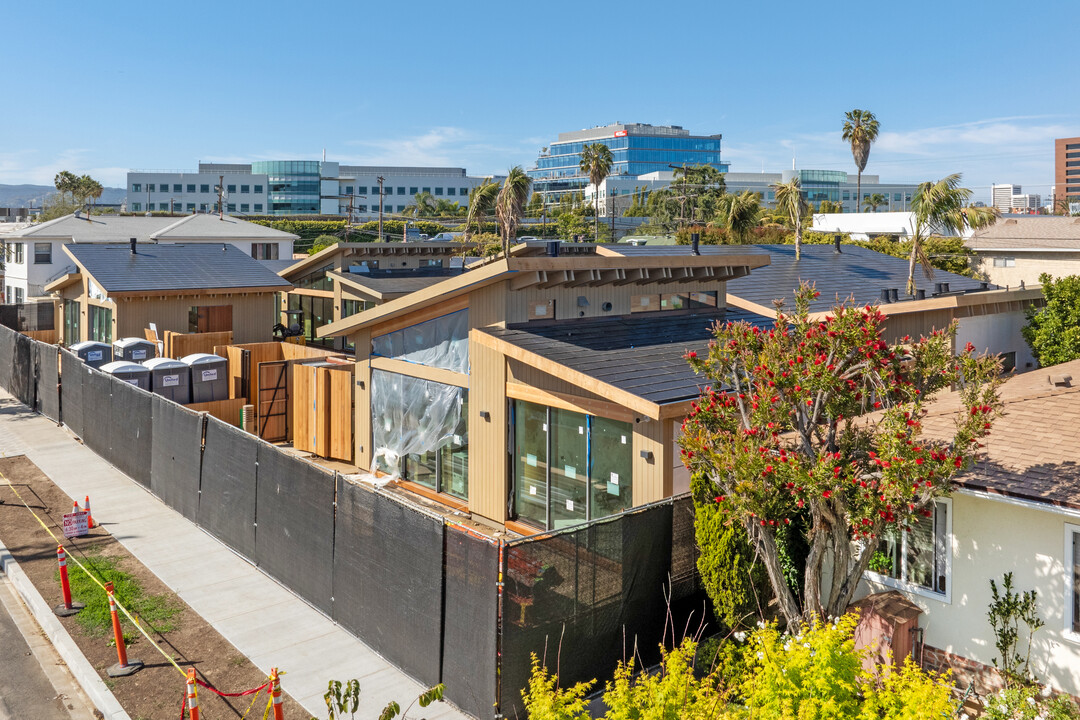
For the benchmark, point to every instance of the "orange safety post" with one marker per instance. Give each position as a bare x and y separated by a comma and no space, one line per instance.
279,711
89,517
192,695
123,667
69,607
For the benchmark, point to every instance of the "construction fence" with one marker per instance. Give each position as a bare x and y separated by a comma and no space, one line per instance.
443,603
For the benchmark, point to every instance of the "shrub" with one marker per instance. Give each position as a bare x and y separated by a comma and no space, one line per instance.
1030,703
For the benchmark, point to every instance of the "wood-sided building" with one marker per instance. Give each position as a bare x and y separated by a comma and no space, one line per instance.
539,391
349,277
117,290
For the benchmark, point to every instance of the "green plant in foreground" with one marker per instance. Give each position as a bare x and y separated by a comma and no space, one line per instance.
1030,703
341,699
154,611
1006,612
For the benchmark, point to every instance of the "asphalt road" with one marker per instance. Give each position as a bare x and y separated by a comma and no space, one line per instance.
34,682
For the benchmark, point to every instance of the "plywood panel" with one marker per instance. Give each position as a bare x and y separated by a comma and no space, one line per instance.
488,482
178,345
253,314
224,410
362,401
307,400
653,478
341,413
273,405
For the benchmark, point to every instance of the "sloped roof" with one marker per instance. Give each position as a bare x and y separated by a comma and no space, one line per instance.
640,355
1029,233
120,228
168,267
1031,451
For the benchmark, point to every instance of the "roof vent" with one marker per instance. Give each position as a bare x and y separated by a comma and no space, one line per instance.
553,248
894,295
1010,221
78,214
695,241
836,244
1061,380
133,246
920,294
885,295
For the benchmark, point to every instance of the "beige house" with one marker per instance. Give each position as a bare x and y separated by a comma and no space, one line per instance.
1017,511
1017,250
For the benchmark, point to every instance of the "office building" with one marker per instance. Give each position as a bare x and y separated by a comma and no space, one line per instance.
1066,173
294,187
1001,196
636,149
617,191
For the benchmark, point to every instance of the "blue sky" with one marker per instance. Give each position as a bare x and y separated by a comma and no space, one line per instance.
978,88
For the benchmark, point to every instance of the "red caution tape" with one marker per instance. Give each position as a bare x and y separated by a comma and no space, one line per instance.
214,690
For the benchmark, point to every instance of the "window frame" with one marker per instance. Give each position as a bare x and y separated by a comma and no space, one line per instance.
913,588
1068,632
48,248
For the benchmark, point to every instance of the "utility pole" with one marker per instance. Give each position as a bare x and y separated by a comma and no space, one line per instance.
381,179
349,225
613,206
221,197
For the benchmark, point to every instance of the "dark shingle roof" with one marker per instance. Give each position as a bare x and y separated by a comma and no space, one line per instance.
641,355
173,267
854,272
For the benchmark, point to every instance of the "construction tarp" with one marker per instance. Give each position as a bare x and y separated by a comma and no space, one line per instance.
130,430
48,379
469,649
176,456
7,356
23,372
73,376
227,502
388,570
295,538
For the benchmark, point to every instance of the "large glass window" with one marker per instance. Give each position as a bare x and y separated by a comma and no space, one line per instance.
920,557
316,279
352,307
1072,578
442,342
99,324
72,325
569,467
317,311
445,469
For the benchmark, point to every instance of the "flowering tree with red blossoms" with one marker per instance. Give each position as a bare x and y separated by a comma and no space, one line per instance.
823,419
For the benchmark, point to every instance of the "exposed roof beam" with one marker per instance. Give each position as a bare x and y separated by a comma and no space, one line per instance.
524,280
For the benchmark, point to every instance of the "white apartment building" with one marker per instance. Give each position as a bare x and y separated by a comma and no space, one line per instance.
1001,196
294,187
617,191
1026,203
34,257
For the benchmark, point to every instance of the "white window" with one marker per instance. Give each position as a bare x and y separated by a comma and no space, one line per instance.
919,561
43,253
1072,581
1004,262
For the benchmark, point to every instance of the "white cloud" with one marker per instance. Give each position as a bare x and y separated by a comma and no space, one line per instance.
29,167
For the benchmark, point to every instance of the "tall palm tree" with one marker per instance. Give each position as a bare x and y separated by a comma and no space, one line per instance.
941,207
741,213
481,203
596,162
875,201
510,204
65,183
423,205
861,130
789,200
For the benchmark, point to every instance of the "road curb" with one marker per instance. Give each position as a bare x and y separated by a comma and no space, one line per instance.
81,669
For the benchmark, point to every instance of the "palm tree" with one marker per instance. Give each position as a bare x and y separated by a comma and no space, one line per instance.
873,202
741,213
481,203
861,130
941,207
596,162
447,208
423,205
510,204
789,200
65,183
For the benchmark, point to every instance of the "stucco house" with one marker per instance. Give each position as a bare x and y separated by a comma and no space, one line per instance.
1017,250
1017,510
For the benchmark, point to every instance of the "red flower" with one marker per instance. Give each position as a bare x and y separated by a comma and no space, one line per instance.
691,354
719,498
959,461
827,494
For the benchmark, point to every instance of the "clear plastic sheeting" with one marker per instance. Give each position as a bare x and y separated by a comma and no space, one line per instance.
410,415
442,343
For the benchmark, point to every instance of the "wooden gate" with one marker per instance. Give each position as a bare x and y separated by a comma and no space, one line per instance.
273,407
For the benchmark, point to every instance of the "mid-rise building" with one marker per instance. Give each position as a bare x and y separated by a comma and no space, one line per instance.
1066,173
1026,203
1001,196
617,191
295,187
636,149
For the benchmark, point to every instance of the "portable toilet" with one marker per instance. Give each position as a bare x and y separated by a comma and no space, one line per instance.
131,373
134,349
170,378
94,354
209,377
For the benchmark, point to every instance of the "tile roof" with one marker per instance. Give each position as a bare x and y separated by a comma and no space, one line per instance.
120,228
173,267
1029,233
855,272
641,355
1026,454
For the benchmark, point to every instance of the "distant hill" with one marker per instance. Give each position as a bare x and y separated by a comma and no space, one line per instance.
23,195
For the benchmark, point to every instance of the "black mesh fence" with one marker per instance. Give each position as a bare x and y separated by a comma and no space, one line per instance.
585,599
388,569
227,502
469,650
97,411
23,373
73,375
7,355
48,380
176,456
295,538
28,316
130,430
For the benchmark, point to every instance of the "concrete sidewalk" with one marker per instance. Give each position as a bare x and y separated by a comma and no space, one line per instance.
266,622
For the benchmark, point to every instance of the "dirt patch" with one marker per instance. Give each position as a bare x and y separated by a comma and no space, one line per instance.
157,690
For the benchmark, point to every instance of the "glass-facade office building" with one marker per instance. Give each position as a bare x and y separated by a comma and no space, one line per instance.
293,185
636,149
